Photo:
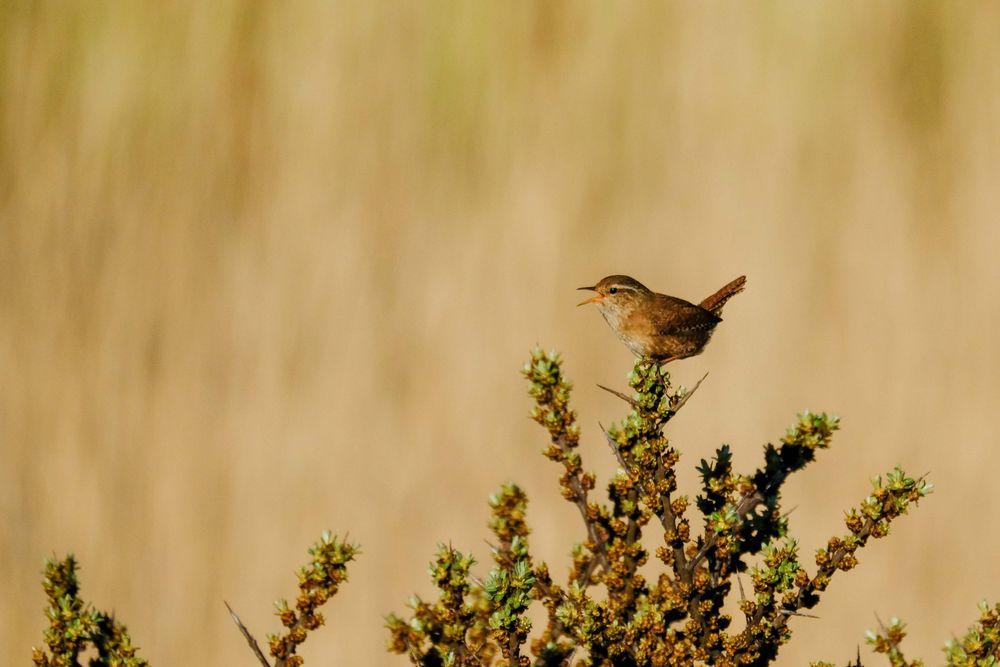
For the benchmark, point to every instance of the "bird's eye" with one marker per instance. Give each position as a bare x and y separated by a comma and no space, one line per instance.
613,290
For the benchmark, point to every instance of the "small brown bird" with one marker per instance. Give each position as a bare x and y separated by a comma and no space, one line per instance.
657,326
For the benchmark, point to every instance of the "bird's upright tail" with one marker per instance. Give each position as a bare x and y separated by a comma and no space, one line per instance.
715,302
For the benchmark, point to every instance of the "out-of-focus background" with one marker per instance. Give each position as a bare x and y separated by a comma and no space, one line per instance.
270,268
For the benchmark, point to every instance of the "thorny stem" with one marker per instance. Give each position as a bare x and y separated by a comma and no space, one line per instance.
679,620
668,518
625,397
614,450
823,571
669,521
580,499
515,650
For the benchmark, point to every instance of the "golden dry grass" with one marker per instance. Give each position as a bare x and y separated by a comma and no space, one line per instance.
271,268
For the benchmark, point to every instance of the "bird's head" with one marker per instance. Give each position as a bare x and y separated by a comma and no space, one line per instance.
617,293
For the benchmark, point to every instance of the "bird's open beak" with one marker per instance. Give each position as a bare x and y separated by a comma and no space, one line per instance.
593,299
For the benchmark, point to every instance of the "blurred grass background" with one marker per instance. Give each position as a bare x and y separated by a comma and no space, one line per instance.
268,268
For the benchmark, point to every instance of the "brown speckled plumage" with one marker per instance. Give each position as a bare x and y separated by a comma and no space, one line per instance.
658,326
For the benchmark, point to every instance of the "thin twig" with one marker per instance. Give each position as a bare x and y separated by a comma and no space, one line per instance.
254,646
614,449
881,625
579,498
625,397
633,495
747,504
635,404
688,395
474,652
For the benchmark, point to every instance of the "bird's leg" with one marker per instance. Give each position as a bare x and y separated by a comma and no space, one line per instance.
663,362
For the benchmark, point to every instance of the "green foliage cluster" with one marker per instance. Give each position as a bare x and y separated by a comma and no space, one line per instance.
74,627
318,582
473,622
609,612
980,647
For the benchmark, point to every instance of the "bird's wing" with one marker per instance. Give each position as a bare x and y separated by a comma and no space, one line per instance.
677,316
